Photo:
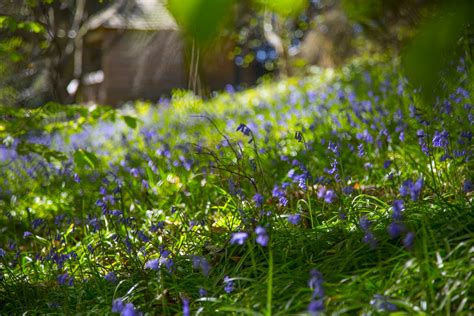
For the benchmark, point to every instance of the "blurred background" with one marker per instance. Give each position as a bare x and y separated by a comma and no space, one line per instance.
111,52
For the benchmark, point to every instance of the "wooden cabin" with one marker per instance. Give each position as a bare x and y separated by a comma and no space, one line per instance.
137,52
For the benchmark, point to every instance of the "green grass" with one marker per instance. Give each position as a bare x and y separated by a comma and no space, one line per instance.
179,177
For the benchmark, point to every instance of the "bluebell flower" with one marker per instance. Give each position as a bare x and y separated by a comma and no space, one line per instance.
467,186
153,264
329,196
134,172
228,284
411,188
117,305
369,239
365,223
27,234
395,229
409,240
244,129
202,292
186,308
262,237
294,219
76,178
348,190
63,278
361,151
387,164
381,304
111,277
3,253
397,208
239,238
202,264
440,139
316,307
315,283
258,199
130,310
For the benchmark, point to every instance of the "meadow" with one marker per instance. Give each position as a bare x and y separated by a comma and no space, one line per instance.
336,193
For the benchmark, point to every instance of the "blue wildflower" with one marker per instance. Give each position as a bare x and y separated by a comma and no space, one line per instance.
467,186
153,264
365,223
315,283
130,310
27,234
381,304
258,199
369,239
229,284
294,219
262,237
111,277
202,292
411,188
239,238
186,308
395,229
202,264
315,307
329,196
2,253
409,240
397,208
440,139
117,305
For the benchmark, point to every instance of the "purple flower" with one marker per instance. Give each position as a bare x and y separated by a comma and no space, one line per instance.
365,223
186,309
202,264
27,234
2,253
153,264
467,186
387,164
202,292
117,305
111,277
294,219
130,310
395,229
381,304
229,284
329,196
76,178
258,199
361,151
244,129
262,237
315,307
397,207
409,240
239,238
411,188
369,239
440,139
315,283
64,279
134,172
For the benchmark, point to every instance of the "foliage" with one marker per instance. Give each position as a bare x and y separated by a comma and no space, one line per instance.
330,193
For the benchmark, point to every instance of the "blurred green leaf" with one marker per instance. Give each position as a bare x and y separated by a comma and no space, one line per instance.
426,60
285,8
200,19
26,148
130,121
84,158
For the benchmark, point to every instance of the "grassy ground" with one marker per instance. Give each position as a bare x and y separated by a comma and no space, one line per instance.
338,193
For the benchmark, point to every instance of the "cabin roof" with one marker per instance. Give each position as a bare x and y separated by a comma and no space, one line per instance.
138,15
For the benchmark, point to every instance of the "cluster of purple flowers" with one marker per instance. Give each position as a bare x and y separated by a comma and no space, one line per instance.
316,280
262,238
128,309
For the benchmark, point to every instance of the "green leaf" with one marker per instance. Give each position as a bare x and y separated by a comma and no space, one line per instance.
25,148
200,19
84,158
130,121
